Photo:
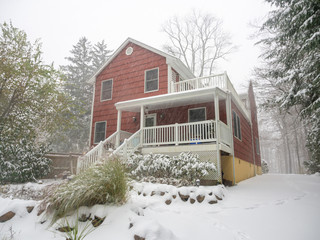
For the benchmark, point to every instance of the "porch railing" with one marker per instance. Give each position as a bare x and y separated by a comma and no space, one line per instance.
129,145
204,131
98,153
219,80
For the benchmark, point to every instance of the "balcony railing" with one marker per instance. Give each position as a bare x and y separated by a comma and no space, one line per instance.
196,132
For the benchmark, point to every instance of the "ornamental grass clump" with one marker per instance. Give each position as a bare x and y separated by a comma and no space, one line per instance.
101,184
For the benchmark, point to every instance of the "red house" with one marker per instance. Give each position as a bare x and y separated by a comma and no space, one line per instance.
147,100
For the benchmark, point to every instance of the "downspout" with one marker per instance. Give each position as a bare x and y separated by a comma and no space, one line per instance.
231,132
91,120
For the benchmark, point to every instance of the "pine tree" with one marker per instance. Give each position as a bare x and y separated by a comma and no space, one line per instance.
293,58
85,59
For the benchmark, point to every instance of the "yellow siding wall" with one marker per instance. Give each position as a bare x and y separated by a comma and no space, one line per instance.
243,169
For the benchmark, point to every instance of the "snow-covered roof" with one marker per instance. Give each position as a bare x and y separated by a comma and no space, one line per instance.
174,62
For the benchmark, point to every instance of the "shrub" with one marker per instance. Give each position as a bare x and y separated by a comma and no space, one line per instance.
100,184
22,161
186,166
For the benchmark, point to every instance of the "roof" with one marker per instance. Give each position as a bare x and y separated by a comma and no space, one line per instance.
174,62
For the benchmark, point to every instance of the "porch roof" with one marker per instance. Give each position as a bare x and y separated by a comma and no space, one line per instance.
171,100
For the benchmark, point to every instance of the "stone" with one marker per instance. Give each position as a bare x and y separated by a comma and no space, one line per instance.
30,209
84,217
65,229
218,197
162,193
130,225
174,196
168,201
192,201
184,197
153,193
200,198
97,221
7,216
136,237
42,207
213,202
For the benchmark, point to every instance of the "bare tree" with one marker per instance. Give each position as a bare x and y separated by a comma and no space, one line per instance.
198,40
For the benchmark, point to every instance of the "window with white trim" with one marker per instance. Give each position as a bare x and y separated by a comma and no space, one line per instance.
100,131
151,80
236,125
197,114
106,90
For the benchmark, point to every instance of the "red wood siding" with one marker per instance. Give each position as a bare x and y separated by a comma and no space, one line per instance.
243,147
128,74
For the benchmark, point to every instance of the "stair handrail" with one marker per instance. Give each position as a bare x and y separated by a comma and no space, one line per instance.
129,145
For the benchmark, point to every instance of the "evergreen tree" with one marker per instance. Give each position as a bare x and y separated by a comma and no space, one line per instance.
32,106
293,58
85,59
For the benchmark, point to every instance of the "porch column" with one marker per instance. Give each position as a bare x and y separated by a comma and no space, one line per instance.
141,124
118,128
217,118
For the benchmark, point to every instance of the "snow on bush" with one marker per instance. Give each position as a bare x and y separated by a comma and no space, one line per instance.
185,166
22,161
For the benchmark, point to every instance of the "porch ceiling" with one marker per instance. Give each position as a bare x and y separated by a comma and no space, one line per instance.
171,100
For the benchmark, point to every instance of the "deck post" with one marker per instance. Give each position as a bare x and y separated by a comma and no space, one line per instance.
176,134
217,119
141,124
229,121
118,128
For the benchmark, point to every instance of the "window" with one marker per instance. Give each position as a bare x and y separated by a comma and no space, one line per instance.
257,146
106,90
151,80
99,131
236,125
197,114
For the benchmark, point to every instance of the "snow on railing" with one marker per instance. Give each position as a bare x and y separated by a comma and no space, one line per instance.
99,152
204,131
129,145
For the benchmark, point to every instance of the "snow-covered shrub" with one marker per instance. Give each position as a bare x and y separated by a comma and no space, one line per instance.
264,166
22,161
100,184
184,166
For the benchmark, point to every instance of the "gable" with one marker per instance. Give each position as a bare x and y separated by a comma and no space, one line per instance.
172,61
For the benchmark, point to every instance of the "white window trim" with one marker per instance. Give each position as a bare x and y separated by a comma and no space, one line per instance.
95,125
154,115
237,117
145,80
205,112
103,100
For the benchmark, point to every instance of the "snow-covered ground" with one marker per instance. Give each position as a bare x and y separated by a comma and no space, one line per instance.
263,207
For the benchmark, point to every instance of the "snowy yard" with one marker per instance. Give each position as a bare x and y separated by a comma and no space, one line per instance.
264,207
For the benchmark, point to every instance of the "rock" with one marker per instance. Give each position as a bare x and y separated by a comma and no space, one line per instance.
130,225
192,201
200,198
65,229
168,201
153,193
144,194
97,221
136,237
218,197
174,196
7,216
30,209
84,218
213,201
162,193
184,197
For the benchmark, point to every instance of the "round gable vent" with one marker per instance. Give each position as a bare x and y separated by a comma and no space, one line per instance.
129,51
